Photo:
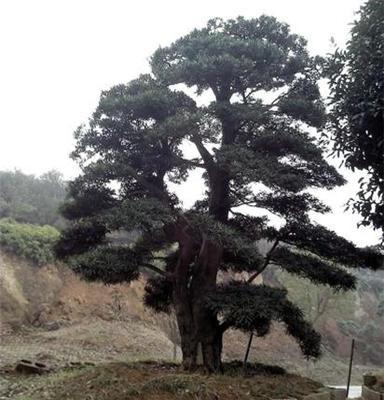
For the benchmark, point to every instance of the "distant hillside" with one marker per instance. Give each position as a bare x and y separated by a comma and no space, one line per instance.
340,316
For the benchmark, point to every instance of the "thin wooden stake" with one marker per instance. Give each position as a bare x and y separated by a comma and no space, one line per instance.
248,348
350,366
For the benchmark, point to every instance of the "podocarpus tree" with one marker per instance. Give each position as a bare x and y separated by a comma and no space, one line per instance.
252,151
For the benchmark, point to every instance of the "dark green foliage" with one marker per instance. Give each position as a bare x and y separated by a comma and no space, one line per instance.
80,237
86,201
248,307
326,243
357,115
108,264
130,125
289,205
287,159
314,269
147,215
33,242
158,294
253,228
303,103
259,53
30,199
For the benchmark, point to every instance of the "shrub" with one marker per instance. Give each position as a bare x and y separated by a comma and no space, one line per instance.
32,242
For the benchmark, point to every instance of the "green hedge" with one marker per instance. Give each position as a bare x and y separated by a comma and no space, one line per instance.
32,242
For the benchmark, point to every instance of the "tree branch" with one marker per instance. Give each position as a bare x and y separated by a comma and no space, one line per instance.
266,262
154,269
189,162
278,98
205,154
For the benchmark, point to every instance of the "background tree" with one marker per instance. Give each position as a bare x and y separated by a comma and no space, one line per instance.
357,99
253,147
30,199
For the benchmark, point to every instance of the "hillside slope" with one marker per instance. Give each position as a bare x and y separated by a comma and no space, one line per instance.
48,314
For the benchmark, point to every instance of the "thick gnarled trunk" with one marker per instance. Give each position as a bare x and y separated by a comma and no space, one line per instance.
205,336
198,327
206,326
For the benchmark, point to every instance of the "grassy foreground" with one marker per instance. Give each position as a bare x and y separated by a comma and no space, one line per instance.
150,380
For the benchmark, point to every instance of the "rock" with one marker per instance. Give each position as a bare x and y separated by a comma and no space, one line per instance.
369,380
338,394
369,394
323,395
80,364
75,363
52,326
28,367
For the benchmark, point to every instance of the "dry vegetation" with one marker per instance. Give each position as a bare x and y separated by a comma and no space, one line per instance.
160,381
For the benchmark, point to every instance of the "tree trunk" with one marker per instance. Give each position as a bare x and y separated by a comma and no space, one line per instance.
181,297
207,337
198,326
219,176
219,202
206,326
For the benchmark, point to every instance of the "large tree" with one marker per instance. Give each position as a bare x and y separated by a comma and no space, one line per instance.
357,108
254,149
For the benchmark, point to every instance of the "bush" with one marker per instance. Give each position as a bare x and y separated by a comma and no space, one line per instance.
32,242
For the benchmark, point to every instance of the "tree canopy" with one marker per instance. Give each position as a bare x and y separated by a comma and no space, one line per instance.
255,150
356,77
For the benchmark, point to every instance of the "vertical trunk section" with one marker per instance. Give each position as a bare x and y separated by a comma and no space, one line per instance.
219,176
198,327
181,297
206,326
219,202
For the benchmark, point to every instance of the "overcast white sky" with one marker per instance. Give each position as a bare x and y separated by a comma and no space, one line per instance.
57,55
